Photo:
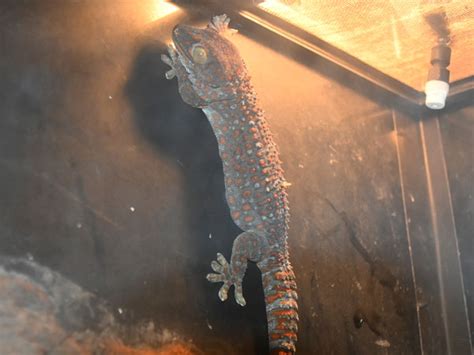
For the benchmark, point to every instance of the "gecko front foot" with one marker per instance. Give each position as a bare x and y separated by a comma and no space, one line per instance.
171,60
178,70
224,274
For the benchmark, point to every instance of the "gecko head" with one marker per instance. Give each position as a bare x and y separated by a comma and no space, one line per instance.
212,62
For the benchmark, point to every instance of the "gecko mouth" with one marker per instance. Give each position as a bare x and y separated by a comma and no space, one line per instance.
182,52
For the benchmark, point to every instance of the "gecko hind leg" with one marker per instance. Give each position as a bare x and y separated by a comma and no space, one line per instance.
247,246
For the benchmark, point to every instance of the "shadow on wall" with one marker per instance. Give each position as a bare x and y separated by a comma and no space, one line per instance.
178,132
181,134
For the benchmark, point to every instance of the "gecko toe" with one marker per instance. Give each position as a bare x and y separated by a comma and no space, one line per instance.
170,74
222,260
172,53
167,60
239,297
217,267
216,277
223,292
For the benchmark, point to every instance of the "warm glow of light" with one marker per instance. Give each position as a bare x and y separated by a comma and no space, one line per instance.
391,36
163,8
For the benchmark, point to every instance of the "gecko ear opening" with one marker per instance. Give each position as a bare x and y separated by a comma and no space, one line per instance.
220,24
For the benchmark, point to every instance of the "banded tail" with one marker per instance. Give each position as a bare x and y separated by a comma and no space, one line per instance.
279,286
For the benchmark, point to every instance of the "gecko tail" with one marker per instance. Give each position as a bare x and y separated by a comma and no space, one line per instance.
279,286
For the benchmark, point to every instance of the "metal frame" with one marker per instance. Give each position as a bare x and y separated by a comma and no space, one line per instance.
441,304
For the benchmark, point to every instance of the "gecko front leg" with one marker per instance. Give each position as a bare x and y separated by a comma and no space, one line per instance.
247,246
185,87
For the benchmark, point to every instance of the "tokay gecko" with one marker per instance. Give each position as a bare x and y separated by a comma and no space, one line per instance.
212,76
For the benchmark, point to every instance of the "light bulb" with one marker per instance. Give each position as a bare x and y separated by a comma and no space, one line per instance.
436,92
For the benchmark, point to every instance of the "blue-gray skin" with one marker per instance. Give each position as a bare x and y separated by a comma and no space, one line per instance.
212,76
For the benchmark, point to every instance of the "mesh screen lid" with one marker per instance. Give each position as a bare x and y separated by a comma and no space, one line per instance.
392,36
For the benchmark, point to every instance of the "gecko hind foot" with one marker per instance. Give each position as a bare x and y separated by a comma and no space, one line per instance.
224,274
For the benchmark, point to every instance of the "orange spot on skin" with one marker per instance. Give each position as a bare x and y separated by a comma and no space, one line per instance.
248,218
246,207
231,200
281,326
289,335
289,285
283,312
261,162
247,193
272,298
281,275
235,215
222,140
281,352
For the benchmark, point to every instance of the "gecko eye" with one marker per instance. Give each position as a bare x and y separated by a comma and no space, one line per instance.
199,55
